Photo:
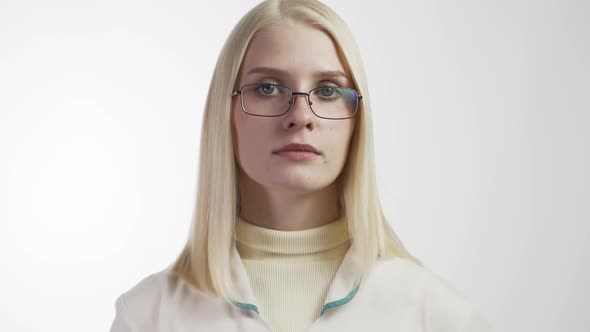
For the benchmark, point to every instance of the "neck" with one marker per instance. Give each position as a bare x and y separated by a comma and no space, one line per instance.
288,210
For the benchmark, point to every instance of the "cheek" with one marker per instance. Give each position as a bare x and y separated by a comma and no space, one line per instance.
250,140
340,136
240,130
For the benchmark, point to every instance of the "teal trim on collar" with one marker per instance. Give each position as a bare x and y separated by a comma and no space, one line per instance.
327,306
246,306
343,300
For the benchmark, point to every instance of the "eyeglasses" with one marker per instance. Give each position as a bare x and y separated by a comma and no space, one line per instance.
326,102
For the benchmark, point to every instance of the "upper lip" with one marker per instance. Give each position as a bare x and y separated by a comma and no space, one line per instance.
298,147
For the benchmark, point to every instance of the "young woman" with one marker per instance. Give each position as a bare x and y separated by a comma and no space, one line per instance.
288,232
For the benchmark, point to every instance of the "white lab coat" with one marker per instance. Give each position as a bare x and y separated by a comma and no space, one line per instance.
397,295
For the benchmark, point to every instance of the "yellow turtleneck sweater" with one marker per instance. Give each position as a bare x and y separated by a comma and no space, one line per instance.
290,271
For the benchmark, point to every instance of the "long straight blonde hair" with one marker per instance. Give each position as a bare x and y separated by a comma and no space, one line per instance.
205,260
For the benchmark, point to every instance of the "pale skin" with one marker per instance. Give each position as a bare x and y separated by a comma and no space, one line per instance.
276,192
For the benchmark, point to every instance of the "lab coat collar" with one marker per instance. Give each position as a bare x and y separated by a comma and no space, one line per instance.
344,286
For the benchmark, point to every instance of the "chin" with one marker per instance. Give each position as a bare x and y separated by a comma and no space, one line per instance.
301,184
302,189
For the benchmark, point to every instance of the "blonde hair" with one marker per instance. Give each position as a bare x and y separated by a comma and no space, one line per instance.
205,260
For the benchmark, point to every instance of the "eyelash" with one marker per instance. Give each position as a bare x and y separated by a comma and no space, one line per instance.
272,81
268,81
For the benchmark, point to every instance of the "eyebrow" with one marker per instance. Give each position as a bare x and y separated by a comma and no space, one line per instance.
280,72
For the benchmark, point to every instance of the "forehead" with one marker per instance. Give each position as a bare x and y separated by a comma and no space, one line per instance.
300,50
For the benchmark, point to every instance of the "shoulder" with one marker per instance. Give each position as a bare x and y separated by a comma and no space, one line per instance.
442,306
143,299
148,288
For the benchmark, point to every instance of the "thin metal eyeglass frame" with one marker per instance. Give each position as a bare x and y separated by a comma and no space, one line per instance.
292,99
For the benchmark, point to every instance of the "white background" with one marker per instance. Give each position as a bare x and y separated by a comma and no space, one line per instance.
481,116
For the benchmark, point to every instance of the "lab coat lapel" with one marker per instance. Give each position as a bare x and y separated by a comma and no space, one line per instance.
343,288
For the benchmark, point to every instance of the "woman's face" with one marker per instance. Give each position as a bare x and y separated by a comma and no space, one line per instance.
300,53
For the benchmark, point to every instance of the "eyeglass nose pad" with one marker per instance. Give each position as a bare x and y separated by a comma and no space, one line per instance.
293,100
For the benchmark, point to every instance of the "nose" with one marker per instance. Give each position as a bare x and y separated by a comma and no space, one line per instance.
300,113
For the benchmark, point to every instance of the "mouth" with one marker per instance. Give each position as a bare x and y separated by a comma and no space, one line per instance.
298,152
298,147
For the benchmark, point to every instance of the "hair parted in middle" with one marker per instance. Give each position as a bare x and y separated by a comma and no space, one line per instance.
205,259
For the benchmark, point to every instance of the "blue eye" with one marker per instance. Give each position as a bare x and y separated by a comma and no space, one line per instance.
327,91
266,89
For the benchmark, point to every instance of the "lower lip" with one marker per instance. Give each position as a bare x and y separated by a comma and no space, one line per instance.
298,155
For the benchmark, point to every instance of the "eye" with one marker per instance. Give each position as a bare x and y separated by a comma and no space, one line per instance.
328,92
266,88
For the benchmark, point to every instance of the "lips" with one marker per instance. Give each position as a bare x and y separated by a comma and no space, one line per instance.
298,147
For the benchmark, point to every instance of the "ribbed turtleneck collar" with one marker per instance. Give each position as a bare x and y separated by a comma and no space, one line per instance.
309,241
